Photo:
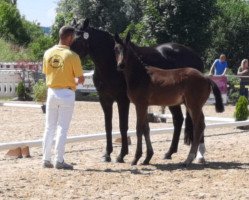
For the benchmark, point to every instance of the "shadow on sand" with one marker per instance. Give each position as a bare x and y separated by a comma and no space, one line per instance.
146,170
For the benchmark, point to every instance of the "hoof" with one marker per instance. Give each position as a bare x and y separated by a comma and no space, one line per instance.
167,156
120,160
106,159
134,162
201,161
146,162
184,165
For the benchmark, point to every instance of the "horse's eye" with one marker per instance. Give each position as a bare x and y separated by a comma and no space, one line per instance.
116,50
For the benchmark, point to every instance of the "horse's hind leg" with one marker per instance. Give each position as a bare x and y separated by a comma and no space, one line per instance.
107,108
199,126
177,122
123,108
201,151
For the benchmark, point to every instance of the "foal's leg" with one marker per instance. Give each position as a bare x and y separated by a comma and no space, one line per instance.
177,121
189,137
107,108
150,151
141,126
188,132
201,151
123,108
199,126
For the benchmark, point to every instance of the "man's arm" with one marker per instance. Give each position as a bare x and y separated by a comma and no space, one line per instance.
211,69
224,73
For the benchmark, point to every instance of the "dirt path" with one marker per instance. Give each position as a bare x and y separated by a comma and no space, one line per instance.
225,176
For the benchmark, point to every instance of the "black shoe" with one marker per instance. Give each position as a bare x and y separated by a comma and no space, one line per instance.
47,164
63,165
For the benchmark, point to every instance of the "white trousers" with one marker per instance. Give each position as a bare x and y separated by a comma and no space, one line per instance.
59,111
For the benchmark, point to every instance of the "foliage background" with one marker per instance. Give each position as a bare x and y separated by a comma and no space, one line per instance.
210,27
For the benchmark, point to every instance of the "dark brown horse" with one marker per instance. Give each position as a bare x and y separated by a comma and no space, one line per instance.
111,85
153,86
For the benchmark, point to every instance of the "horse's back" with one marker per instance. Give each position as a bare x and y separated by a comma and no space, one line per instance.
174,73
180,56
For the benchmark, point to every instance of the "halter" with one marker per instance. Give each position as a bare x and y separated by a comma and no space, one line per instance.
85,36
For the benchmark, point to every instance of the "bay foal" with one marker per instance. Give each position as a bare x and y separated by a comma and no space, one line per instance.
147,85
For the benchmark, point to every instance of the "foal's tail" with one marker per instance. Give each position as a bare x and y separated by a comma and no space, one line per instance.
219,107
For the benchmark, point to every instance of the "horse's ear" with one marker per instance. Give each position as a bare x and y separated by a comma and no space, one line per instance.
117,38
85,24
128,37
74,22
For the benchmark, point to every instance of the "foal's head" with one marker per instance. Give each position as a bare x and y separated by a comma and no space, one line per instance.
80,44
121,48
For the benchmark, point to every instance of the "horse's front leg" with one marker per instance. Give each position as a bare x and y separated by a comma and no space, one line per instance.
123,108
107,108
177,122
140,127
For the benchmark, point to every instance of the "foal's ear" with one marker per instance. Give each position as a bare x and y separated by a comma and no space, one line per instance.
85,24
128,37
74,22
118,39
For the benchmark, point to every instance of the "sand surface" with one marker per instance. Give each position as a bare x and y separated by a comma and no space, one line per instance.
225,176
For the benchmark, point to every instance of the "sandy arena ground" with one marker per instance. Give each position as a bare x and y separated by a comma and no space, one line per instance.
225,176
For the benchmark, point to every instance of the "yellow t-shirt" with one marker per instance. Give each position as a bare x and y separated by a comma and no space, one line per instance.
61,66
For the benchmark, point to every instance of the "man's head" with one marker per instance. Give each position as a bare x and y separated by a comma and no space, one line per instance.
66,35
222,57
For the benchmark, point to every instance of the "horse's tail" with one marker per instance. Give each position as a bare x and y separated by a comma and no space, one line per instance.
219,107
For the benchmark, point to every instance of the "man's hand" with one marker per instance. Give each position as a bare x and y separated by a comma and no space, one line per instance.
80,80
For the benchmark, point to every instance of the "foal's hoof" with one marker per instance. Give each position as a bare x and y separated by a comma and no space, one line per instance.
120,159
146,162
184,165
106,158
167,156
134,162
201,161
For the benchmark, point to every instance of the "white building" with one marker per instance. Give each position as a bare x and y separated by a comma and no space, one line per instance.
9,80
12,73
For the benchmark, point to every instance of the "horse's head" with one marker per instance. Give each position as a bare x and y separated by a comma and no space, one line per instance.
80,44
121,50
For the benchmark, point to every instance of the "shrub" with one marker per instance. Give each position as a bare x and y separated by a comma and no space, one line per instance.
241,110
21,92
40,91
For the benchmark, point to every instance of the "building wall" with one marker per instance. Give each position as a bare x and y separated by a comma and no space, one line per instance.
11,73
9,80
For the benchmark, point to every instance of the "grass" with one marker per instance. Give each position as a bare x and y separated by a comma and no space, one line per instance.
11,53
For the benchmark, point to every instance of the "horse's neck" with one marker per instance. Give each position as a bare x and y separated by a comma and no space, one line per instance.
151,56
135,73
102,54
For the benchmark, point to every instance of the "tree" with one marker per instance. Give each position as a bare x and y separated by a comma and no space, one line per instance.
111,15
181,21
39,45
11,26
230,32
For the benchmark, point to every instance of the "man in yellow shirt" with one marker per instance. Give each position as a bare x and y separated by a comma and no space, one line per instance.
63,71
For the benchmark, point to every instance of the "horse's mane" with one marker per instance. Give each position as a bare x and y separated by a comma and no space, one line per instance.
102,36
